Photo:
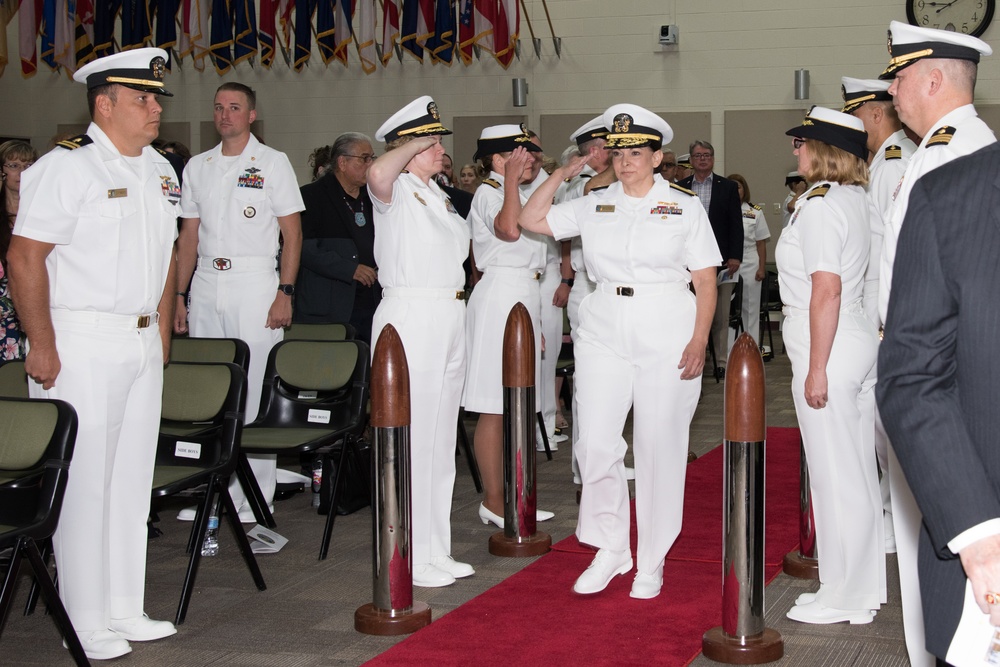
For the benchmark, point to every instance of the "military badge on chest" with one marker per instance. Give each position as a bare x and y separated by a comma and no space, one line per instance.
665,208
171,189
251,178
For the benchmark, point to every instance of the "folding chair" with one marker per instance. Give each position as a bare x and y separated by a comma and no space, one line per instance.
315,394
332,331
208,394
36,445
13,379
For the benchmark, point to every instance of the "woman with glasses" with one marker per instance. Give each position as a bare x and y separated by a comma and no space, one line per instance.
15,157
512,264
752,270
420,244
640,344
822,256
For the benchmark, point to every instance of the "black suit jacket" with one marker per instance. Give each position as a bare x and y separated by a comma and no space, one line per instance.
332,247
726,215
939,371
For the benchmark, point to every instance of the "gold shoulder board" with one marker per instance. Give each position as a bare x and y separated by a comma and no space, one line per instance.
757,207
684,190
491,182
75,142
893,153
819,192
942,136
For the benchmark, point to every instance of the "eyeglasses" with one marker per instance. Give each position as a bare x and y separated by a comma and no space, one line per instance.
700,156
17,166
797,142
367,157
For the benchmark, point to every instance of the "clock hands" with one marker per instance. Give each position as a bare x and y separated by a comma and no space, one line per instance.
942,5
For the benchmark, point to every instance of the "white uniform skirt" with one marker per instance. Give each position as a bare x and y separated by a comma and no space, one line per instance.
489,306
840,451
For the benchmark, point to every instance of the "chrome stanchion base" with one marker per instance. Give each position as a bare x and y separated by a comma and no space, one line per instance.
799,566
370,620
766,647
512,547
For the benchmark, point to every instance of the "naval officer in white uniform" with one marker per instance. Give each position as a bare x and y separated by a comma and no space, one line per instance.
420,244
641,343
91,271
822,257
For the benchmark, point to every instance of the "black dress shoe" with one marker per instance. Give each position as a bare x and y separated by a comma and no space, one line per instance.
720,372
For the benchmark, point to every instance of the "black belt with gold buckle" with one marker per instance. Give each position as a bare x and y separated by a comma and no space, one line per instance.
624,291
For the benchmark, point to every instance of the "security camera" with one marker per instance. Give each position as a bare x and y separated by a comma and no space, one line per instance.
669,35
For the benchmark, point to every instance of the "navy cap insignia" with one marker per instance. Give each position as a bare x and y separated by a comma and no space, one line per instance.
432,109
623,122
158,67
889,41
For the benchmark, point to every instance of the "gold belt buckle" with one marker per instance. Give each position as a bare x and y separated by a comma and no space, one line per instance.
143,321
624,291
222,264
538,275
459,295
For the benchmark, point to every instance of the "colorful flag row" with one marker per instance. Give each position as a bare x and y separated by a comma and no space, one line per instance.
69,33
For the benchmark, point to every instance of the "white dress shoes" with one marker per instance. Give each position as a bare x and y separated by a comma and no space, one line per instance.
102,645
647,586
452,567
488,517
805,598
428,576
142,628
606,565
245,514
816,614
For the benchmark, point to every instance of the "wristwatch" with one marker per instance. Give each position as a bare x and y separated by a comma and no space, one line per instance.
287,289
568,281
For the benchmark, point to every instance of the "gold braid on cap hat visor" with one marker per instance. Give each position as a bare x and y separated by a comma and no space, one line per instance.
422,128
625,140
860,100
134,82
906,57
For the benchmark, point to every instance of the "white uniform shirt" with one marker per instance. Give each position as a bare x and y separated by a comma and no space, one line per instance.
420,240
754,229
828,233
240,200
573,188
553,251
113,221
970,134
886,173
527,252
628,241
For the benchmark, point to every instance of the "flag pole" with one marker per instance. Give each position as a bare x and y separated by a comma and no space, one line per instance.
535,41
556,41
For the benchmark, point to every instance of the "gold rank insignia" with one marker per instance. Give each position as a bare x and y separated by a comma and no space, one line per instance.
492,182
942,136
757,207
819,192
419,199
117,193
684,190
605,208
893,153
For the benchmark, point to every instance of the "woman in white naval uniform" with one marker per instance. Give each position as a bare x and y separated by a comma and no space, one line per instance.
752,272
420,244
641,343
822,256
512,263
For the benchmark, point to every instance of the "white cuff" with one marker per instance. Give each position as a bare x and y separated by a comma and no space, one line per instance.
974,534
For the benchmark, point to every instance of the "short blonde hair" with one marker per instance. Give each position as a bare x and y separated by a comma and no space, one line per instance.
399,141
829,163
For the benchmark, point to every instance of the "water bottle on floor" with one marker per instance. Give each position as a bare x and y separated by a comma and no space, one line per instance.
317,480
211,545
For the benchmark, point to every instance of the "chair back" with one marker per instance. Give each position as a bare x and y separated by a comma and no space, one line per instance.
211,351
332,331
13,379
36,445
315,384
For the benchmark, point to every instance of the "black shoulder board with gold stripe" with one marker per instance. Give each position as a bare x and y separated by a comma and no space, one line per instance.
684,190
893,153
819,192
491,182
942,136
75,142
757,207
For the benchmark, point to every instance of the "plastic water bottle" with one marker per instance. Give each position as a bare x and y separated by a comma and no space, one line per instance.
317,481
211,545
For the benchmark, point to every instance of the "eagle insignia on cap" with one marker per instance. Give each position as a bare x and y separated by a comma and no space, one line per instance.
623,122
158,66
843,92
432,109
889,41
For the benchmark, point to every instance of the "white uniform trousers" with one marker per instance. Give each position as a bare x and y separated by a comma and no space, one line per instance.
582,288
884,485
433,335
552,329
750,308
112,374
627,350
907,520
720,323
840,451
234,304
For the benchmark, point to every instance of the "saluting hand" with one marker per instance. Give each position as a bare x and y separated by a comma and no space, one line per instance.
516,164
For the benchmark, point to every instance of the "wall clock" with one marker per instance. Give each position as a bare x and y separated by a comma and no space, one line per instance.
970,17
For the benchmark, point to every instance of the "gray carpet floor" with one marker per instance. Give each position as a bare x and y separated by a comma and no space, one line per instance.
305,617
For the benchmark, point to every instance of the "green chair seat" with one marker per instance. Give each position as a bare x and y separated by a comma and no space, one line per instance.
291,438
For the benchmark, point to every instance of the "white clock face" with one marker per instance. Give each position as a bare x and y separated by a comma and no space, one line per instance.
970,17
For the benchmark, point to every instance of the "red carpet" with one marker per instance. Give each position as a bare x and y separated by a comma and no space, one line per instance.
534,618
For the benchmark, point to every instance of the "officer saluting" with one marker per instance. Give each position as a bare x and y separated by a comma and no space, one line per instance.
91,267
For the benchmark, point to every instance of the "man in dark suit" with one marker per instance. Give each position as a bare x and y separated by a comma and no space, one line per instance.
938,383
721,200
338,279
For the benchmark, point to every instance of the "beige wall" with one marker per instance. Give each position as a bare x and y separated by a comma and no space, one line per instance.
734,55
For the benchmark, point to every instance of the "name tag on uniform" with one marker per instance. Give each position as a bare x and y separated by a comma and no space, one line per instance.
605,208
117,193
